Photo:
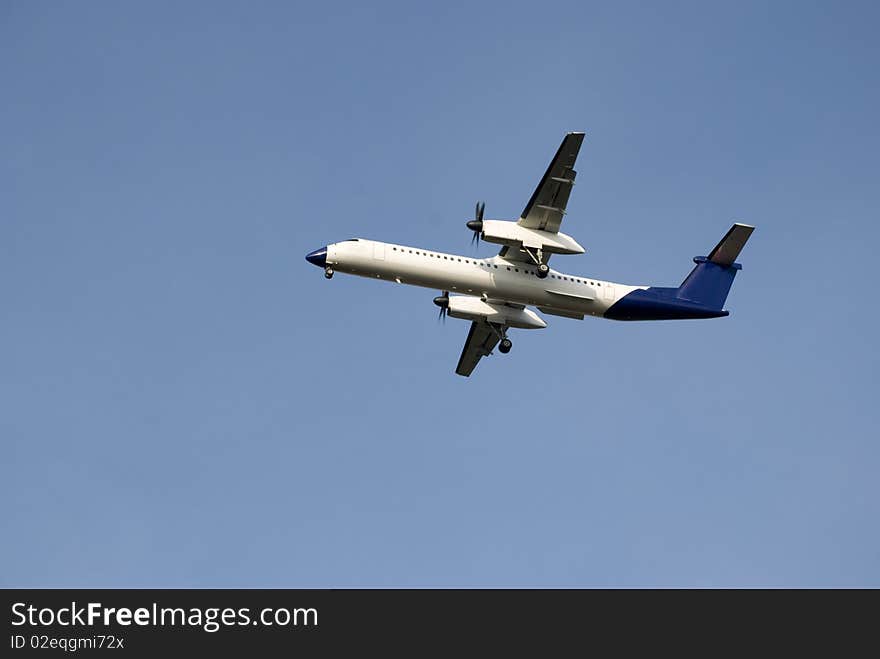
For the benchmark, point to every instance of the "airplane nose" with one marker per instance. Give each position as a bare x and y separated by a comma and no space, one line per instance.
318,257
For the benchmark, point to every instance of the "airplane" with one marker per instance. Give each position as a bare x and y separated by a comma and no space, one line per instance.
495,293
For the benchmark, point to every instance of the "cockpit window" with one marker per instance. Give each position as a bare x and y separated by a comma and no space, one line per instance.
351,240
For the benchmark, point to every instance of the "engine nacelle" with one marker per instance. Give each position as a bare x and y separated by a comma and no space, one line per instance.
502,232
472,308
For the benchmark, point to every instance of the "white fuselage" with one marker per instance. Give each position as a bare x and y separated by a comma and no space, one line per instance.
487,278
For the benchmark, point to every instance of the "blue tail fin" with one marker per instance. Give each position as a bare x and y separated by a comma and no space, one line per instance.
701,294
709,282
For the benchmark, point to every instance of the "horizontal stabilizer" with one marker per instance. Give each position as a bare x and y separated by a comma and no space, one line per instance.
731,245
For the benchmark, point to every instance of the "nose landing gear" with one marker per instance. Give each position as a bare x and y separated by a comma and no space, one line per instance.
328,272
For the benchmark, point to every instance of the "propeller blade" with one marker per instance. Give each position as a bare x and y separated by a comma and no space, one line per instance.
476,224
442,301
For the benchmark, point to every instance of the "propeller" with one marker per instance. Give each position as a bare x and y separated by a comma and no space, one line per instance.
476,225
442,301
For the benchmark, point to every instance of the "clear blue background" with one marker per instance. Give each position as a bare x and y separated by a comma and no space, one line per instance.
184,401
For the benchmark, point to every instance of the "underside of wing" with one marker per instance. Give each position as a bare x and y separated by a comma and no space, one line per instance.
516,254
547,205
481,340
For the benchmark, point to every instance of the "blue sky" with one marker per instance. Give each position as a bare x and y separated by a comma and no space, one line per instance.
184,401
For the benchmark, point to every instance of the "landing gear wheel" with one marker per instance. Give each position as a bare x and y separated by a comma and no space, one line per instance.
328,273
543,270
505,346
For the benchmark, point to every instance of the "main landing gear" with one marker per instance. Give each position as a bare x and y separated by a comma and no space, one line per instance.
506,344
537,256
328,272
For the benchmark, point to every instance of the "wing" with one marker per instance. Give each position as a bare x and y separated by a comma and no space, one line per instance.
480,342
547,205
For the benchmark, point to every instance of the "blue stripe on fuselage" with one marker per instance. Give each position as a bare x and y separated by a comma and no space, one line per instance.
658,303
